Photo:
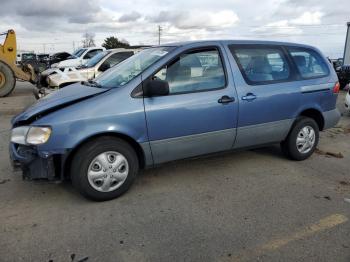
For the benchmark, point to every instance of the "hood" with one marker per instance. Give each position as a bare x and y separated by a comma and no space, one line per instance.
69,62
71,76
63,97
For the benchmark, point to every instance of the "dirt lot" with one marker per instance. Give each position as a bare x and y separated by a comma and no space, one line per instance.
244,206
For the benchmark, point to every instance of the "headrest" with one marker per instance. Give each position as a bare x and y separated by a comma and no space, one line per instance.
300,60
260,64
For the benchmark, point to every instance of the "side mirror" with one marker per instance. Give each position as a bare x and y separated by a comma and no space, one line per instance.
156,87
104,67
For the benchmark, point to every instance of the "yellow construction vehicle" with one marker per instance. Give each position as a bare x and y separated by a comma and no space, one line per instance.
9,71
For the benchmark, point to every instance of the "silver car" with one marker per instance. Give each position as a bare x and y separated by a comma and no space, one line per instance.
93,68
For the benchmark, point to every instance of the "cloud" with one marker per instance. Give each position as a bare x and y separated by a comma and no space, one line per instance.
281,27
48,9
130,17
60,22
196,19
308,18
290,26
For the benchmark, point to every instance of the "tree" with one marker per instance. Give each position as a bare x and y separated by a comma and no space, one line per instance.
88,40
113,42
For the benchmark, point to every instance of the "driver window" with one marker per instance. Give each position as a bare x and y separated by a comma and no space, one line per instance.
92,53
194,71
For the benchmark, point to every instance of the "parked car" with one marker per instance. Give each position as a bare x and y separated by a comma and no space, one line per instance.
93,68
79,57
344,75
177,101
58,57
43,58
347,100
32,59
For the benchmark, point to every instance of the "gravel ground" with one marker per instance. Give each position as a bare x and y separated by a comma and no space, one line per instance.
244,206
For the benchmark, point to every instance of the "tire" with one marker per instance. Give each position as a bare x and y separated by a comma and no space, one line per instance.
7,80
87,159
298,131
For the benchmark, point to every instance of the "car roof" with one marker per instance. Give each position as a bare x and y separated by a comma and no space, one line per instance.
232,42
120,49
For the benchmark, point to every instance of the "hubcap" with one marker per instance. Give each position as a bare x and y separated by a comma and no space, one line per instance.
108,171
2,79
306,139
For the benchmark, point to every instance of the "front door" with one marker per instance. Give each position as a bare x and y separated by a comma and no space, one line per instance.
199,115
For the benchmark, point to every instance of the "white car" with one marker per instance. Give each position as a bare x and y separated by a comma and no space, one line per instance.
347,101
79,57
93,68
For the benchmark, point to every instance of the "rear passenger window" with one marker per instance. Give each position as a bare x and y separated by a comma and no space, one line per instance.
194,71
261,65
309,63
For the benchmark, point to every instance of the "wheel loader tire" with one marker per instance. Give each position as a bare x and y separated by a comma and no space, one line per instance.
7,80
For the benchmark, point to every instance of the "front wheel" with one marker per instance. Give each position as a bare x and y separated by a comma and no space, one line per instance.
7,80
302,139
104,168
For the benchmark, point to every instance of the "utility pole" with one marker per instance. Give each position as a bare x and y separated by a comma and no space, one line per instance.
160,29
346,56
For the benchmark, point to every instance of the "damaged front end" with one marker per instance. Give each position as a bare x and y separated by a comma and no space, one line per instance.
25,153
35,165
30,147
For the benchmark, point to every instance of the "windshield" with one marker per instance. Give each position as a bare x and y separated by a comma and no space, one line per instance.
79,52
97,58
130,68
28,56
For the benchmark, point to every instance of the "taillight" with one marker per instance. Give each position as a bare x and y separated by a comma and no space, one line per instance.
336,88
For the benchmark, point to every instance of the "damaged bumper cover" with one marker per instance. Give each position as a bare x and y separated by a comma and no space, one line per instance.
35,164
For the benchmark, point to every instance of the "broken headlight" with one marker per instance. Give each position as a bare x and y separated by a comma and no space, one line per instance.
32,135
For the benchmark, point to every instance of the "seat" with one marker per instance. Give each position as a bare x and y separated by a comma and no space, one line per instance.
301,64
259,69
178,77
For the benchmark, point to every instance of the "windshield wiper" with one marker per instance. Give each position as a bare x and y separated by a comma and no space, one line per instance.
91,83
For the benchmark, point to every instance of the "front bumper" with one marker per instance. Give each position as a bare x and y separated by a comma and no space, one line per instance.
33,165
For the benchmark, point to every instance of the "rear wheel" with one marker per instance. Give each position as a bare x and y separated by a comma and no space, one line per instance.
302,139
7,80
104,168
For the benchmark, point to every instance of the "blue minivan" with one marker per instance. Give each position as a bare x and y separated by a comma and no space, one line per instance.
177,101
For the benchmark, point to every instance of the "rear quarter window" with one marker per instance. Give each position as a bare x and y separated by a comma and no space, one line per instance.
309,63
262,64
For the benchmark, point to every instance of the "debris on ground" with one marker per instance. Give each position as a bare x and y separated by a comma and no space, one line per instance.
325,197
344,183
333,132
346,130
328,153
4,181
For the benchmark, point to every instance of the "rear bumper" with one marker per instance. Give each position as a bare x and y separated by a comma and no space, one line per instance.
331,118
32,165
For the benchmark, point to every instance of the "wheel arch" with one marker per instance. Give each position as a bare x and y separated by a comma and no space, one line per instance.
134,144
316,115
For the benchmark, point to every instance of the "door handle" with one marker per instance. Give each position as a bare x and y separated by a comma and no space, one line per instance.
249,97
226,100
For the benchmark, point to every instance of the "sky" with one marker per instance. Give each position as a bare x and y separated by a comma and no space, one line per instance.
51,26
